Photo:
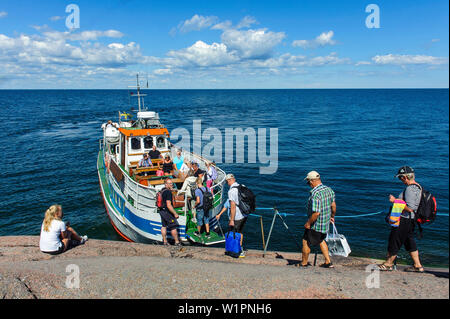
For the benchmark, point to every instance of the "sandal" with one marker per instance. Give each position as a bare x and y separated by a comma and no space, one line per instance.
300,265
324,265
166,244
415,269
384,267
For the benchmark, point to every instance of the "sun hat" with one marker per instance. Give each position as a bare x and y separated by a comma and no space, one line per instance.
312,175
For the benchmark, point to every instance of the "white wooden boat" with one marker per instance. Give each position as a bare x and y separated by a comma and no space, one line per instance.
129,192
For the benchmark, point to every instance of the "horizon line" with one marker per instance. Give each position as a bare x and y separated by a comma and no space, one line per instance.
174,89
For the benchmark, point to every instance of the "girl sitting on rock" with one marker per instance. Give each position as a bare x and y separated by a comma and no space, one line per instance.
57,236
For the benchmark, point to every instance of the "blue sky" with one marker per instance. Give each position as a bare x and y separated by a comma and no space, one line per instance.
232,44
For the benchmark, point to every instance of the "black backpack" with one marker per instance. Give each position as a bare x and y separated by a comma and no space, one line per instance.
247,200
207,200
426,212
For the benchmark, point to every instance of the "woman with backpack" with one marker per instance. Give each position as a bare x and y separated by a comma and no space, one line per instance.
203,206
403,235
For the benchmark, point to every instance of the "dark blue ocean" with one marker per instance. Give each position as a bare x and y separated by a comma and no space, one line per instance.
356,139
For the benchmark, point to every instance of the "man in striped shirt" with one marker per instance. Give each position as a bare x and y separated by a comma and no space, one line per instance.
321,211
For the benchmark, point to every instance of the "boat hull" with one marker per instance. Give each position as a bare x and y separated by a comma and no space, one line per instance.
129,224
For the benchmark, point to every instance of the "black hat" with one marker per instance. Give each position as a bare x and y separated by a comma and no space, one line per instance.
404,170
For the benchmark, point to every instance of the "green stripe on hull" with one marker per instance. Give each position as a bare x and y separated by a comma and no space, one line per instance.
190,226
104,183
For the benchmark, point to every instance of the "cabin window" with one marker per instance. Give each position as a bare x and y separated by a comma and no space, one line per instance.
160,142
135,143
148,142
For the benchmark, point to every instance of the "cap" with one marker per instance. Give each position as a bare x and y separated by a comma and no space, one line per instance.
229,176
404,170
312,175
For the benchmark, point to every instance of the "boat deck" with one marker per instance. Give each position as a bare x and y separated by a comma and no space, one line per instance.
191,227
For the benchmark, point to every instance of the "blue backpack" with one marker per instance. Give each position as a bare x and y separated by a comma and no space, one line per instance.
233,244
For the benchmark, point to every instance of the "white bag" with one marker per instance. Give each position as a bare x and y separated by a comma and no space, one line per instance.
337,243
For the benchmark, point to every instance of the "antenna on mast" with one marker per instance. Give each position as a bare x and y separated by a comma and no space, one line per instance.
138,95
138,92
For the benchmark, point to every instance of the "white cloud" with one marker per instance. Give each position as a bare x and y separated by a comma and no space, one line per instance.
3,14
399,59
325,38
201,54
52,48
50,60
363,63
56,18
246,22
197,23
82,36
288,60
331,59
241,53
222,25
40,28
163,71
252,44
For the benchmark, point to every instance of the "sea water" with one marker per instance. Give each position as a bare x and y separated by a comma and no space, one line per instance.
356,139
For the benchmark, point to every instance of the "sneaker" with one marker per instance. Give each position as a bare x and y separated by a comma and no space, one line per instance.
242,255
324,265
179,244
84,239
208,235
196,233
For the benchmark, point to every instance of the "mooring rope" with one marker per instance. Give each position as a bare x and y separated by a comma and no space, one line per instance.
337,216
265,245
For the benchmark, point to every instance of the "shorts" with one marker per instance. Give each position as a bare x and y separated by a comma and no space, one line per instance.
402,235
56,252
202,217
313,238
239,225
168,220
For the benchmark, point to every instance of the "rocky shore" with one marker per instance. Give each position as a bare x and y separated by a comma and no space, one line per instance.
112,269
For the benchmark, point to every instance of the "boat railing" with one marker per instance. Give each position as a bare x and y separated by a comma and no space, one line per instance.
143,197
218,185
140,196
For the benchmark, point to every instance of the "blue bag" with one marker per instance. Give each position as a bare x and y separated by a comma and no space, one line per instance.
233,244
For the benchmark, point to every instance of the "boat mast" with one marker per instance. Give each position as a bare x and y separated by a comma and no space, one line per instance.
141,105
138,92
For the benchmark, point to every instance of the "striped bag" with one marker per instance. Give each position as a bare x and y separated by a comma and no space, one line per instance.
396,212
